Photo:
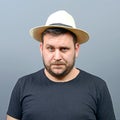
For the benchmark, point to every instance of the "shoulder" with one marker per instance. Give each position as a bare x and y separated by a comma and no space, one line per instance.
28,82
32,75
94,84
30,78
92,79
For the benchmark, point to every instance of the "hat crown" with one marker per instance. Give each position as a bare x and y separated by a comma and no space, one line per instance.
61,17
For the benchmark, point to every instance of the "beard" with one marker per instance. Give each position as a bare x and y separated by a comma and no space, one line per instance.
63,67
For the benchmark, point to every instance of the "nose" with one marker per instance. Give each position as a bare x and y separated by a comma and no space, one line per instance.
57,55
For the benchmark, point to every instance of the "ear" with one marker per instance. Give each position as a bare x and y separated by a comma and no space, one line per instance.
41,48
77,48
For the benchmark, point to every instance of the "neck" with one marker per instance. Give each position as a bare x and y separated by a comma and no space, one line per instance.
70,76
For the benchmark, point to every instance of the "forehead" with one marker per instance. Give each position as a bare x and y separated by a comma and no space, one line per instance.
62,39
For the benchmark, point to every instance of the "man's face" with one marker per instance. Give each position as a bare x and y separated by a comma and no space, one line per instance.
59,53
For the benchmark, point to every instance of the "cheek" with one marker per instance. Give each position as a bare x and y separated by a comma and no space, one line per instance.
70,57
47,57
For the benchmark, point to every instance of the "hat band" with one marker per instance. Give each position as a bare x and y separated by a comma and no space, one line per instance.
60,24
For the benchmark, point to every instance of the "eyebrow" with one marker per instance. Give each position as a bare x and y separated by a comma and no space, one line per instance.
62,46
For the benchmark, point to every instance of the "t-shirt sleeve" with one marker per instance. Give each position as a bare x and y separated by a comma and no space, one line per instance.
14,108
105,108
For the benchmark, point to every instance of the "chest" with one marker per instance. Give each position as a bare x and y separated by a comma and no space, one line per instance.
61,103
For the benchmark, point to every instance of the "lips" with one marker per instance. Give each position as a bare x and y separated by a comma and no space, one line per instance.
57,63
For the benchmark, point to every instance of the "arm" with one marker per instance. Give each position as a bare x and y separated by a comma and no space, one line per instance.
10,118
105,107
14,108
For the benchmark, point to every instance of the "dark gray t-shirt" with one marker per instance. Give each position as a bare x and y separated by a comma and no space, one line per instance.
86,97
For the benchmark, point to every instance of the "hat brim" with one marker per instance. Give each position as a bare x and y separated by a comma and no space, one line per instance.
81,35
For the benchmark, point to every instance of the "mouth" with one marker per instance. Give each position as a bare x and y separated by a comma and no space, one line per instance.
58,66
58,63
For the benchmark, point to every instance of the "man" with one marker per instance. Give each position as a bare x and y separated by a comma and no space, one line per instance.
60,91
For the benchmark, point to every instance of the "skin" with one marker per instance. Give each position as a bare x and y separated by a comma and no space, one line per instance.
10,118
59,54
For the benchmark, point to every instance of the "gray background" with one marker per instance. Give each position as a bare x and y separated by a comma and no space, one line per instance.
19,53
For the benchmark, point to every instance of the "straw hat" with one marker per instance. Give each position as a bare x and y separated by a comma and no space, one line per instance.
60,19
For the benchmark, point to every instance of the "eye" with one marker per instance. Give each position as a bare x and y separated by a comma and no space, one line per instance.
50,49
64,49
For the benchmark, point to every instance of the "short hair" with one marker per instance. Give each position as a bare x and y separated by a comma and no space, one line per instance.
58,31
